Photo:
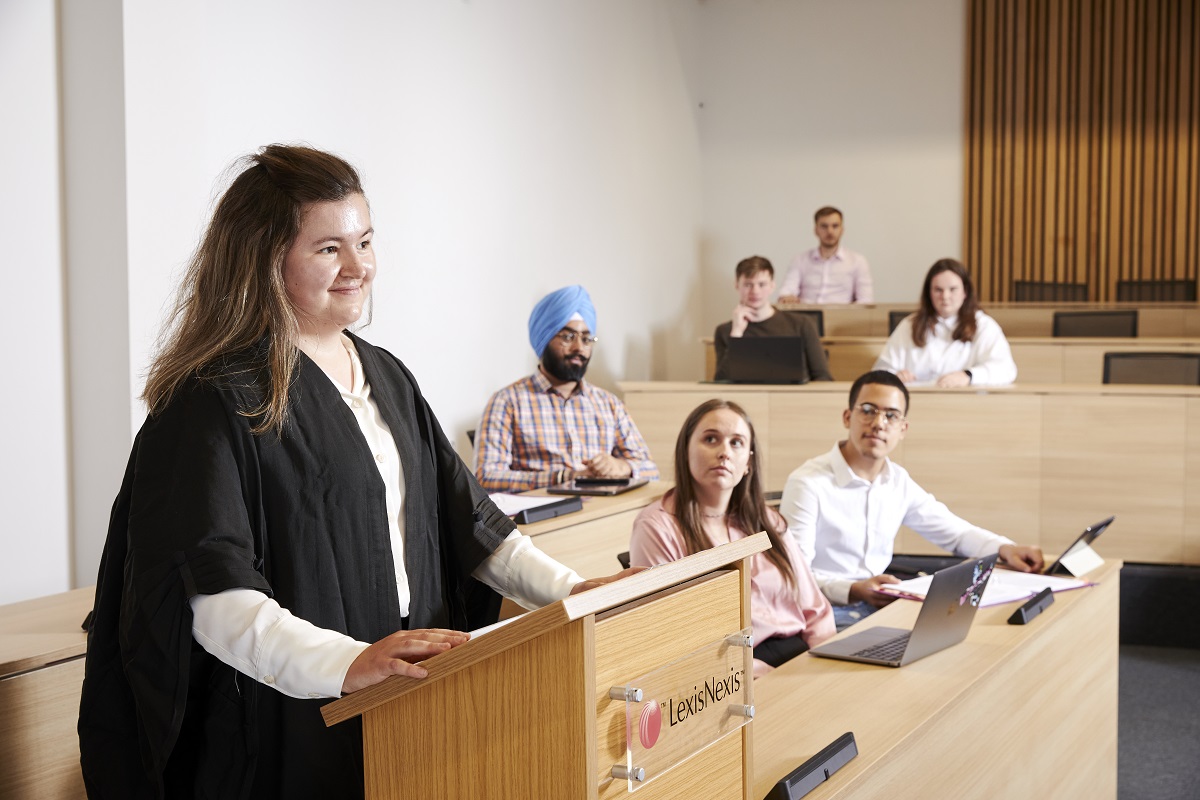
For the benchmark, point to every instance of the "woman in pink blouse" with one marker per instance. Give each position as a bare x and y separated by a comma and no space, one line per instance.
718,498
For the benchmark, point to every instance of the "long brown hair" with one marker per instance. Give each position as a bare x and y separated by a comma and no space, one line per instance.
926,317
233,294
747,509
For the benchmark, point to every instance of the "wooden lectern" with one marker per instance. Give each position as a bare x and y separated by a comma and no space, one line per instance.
527,710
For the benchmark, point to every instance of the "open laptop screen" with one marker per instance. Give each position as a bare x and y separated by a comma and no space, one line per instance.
767,359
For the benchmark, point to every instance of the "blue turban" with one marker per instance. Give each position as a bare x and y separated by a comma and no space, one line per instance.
554,311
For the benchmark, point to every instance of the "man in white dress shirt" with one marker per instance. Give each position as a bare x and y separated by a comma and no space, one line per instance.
846,506
829,273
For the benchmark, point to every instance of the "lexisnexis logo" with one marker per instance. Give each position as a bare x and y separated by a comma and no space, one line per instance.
711,692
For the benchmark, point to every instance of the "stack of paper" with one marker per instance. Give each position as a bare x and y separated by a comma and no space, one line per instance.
1005,586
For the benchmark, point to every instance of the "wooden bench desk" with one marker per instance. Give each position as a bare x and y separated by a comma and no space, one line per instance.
1036,463
1014,711
41,675
1039,359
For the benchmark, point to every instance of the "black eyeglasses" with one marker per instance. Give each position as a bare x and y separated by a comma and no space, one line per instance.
867,412
569,337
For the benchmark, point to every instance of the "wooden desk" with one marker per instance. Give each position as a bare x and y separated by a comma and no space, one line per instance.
41,675
1033,462
1015,711
1017,319
1044,359
588,541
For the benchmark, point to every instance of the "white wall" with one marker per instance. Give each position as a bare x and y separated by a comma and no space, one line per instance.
509,147
95,232
34,548
851,103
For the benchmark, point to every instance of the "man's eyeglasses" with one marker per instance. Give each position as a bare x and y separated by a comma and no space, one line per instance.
867,412
569,337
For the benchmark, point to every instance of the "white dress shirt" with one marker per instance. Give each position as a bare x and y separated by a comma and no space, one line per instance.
846,526
256,636
987,356
844,277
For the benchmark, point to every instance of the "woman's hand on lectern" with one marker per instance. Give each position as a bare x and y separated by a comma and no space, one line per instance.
394,654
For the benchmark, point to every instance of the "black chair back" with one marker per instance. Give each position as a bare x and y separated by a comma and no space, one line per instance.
1172,291
1173,369
895,318
1110,324
815,314
1049,292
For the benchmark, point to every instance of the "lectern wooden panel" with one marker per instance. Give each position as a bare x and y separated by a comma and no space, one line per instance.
629,642
524,711
451,738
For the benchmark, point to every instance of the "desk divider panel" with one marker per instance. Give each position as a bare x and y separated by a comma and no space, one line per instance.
1036,463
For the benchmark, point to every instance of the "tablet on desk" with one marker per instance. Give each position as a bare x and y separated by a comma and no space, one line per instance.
1085,539
597,486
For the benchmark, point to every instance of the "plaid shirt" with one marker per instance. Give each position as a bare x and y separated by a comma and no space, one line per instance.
529,432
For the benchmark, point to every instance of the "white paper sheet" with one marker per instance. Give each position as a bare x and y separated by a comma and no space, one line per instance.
1005,586
515,503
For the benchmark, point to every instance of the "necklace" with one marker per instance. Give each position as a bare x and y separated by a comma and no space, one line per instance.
712,516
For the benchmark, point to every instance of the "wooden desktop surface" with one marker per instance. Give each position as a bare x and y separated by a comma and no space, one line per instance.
41,675
35,633
1036,463
588,541
1038,359
1014,711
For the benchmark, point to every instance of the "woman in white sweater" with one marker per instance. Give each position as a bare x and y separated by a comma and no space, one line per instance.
949,342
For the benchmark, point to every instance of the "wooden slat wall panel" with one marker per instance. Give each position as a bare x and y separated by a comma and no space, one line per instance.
1083,143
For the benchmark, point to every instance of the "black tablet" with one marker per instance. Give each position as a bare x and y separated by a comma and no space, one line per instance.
597,486
1086,538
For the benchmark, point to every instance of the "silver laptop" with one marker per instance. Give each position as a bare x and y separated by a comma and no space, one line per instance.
946,616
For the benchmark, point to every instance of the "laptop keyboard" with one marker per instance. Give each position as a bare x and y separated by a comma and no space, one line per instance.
891,650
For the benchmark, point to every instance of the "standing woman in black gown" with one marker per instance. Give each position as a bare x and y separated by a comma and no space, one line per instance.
293,524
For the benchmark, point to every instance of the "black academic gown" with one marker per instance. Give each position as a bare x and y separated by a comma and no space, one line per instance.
205,506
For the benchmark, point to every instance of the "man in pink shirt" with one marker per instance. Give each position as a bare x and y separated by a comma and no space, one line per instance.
829,273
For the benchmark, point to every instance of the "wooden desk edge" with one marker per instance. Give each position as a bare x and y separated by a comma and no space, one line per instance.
43,631
841,387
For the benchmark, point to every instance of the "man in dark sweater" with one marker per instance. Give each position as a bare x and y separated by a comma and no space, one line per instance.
755,316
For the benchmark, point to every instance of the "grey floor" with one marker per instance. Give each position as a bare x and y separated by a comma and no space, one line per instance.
1159,723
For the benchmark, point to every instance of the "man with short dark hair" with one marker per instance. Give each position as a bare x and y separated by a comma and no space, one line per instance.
829,273
846,506
754,280
554,426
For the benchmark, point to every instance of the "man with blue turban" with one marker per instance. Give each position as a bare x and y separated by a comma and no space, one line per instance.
554,426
